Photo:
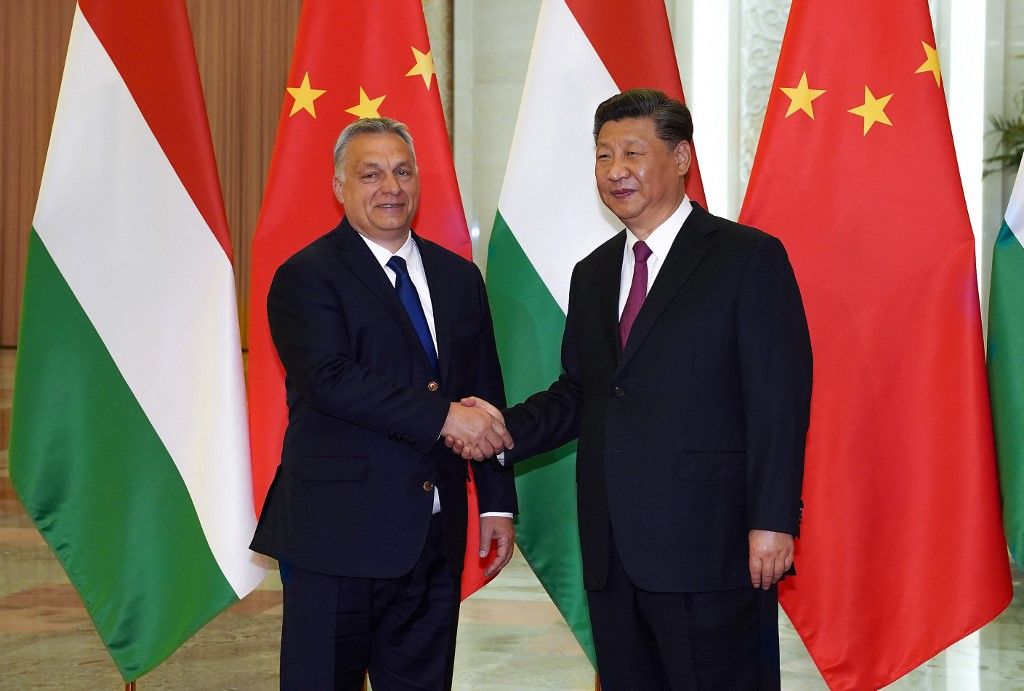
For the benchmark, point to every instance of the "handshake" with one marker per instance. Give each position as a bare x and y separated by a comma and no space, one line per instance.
475,429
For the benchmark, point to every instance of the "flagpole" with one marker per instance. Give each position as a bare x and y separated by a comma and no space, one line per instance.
129,686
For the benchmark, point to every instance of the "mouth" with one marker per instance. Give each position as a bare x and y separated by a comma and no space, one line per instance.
391,207
622,193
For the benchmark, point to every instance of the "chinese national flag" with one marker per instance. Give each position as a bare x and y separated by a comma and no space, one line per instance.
352,59
901,551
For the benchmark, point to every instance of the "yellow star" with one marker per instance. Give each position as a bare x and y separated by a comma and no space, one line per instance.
304,96
801,97
367,107
873,110
931,63
424,67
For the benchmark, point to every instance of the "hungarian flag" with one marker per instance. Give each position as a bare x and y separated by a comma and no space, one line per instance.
129,446
582,54
351,60
901,551
1006,364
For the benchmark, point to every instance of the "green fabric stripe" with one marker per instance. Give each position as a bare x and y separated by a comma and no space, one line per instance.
100,485
528,325
1006,380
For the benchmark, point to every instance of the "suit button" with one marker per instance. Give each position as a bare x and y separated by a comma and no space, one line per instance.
428,486
432,386
619,391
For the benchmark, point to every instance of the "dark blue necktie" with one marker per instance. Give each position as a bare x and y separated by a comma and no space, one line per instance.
411,301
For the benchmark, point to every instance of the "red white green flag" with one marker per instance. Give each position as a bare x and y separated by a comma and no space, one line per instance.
582,54
129,446
351,60
1006,364
901,550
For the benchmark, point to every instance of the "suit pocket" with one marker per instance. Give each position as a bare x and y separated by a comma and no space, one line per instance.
720,466
337,468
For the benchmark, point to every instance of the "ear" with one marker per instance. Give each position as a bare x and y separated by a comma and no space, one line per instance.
336,184
683,155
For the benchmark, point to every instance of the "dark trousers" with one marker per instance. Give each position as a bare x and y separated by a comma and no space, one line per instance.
649,641
400,630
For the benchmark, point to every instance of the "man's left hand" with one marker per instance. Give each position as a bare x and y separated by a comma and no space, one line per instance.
497,530
771,555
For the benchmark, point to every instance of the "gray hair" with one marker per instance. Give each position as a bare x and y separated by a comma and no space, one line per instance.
368,126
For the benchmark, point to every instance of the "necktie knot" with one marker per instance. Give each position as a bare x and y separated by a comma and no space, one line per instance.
397,264
641,252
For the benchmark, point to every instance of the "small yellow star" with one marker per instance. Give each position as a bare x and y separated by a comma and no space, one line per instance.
931,63
367,107
424,67
801,97
873,110
304,96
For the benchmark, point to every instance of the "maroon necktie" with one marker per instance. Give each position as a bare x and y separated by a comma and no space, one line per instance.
637,291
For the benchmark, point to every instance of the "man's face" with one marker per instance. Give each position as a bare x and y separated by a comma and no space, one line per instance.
380,188
639,177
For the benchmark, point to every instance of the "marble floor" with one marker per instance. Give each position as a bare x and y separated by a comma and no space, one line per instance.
511,638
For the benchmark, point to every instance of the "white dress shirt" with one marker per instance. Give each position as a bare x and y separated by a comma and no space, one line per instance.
659,241
410,252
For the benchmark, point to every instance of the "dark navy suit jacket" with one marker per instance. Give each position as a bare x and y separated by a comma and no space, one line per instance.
353,495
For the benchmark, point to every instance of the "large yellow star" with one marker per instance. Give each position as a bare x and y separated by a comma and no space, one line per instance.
801,97
931,63
304,96
367,107
873,110
424,67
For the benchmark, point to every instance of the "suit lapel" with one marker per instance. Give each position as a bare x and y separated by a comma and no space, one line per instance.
606,297
692,243
442,295
365,267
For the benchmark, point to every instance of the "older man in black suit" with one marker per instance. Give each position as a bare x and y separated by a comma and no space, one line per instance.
687,378
379,331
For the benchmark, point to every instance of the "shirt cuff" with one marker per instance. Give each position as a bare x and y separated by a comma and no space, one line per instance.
497,513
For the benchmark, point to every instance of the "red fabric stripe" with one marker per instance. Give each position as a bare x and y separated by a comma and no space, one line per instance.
150,44
636,49
901,550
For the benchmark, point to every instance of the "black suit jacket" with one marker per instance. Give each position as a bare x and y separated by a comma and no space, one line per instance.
351,497
694,433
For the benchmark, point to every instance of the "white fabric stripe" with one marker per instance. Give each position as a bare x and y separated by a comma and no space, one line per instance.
157,286
1015,209
549,199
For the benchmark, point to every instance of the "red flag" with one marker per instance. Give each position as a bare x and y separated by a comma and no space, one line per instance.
351,60
901,552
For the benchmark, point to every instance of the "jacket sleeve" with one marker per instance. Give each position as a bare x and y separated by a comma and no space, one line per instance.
775,367
308,327
495,484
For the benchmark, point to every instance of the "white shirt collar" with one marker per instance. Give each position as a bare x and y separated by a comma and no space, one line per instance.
661,238
408,251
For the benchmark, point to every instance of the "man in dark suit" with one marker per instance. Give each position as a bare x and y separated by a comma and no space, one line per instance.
687,378
379,330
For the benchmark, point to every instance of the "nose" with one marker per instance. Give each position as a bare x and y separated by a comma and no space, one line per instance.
616,170
390,184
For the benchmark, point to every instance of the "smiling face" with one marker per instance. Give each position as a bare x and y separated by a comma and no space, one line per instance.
640,178
379,186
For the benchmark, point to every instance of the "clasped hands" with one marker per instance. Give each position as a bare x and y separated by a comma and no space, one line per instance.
475,429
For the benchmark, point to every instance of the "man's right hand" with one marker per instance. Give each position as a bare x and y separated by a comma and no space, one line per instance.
475,432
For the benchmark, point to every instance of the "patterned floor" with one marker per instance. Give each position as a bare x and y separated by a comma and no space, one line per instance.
511,638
